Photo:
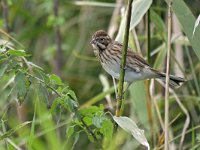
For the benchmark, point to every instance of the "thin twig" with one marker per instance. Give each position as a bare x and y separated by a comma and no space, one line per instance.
85,125
12,38
155,103
179,136
187,121
38,79
167,77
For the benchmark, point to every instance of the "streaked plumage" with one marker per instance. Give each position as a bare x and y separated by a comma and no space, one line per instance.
109,53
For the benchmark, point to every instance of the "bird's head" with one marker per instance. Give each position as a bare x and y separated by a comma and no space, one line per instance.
100,40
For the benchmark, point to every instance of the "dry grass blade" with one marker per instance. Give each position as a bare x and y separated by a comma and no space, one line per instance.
167,76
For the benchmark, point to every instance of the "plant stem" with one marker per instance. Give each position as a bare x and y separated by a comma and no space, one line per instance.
147,85
123,60
148,33
167,76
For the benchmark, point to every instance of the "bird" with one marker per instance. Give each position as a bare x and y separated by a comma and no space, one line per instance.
109,54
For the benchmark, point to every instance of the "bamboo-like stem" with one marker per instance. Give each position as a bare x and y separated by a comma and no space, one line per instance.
123,61
167,75
148,36
147,85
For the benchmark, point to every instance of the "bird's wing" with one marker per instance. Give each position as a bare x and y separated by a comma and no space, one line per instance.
136,57
134,62
133,56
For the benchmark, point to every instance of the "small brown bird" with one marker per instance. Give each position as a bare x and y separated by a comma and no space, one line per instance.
109,53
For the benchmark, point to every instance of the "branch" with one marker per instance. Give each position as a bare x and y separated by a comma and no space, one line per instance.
123,61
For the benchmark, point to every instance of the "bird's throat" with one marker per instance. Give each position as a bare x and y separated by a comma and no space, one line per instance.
101,47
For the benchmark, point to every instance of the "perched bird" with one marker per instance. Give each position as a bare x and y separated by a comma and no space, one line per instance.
109,53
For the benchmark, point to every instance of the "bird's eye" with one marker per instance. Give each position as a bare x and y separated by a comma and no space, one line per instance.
101,39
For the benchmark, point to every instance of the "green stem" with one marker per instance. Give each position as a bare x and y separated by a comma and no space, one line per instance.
97,98
123,61
148,36
147,85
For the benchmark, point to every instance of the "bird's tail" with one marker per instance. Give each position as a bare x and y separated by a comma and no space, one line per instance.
174,81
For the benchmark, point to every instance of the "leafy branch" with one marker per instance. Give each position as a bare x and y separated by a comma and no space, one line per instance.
25,73
77,114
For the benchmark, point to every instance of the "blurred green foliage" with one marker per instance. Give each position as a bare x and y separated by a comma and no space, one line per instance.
30,76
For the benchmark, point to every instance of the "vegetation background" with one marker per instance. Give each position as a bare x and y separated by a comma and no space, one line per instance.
51,56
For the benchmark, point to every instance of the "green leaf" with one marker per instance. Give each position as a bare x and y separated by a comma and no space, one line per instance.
187,21
3,68
90,110
20,82
196,24
130,126
88,120
70,131
11,131
138,97
139,8
55,104
64,90
17,52
32,132
55,79
68,103
76,137
72,94
161,56
96,120
42,93
157,20
107,129
72,104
